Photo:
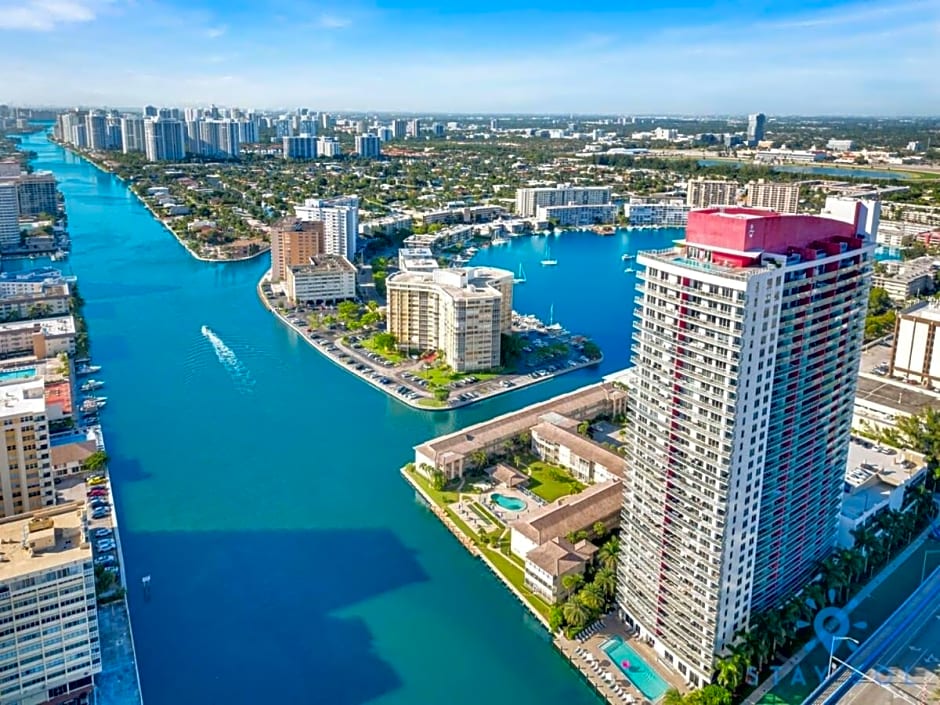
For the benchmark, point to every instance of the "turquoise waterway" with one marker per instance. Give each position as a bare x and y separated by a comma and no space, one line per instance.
290,562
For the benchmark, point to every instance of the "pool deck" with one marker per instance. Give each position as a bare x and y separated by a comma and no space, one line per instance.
610,627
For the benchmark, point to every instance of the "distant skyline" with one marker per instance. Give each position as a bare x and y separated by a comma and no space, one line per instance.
807,57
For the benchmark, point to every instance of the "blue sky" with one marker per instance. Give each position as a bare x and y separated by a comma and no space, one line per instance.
806,57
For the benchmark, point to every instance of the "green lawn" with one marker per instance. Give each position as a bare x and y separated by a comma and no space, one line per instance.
431,403
390,355
441,375
550,482
481,510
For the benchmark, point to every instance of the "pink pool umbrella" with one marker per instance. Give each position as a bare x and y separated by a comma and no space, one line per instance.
625,664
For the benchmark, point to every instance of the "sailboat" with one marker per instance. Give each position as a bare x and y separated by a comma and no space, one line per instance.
548,261
520,277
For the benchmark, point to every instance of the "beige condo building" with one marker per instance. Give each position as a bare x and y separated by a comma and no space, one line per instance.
461,312
26,482
782,198
703,193
294,243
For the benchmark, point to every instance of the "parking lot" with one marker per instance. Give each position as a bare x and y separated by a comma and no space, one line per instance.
97,496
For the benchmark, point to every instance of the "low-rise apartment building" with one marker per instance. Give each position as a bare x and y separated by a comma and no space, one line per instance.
574,216
53,301
557,444
671,213
417,259
906,280
69,458
42,338
461,312
49,642
325,279
451,453
547,565
598,503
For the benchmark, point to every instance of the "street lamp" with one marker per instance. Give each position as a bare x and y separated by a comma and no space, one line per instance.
923,569
832,648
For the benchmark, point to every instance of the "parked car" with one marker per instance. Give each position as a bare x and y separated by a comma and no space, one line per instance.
106,545
97,492
106,559
102,533
101,513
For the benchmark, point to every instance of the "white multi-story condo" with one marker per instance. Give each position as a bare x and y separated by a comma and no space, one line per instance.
132,134
340,218
461,312
299,147
25,469
755,128
578,216
368,146
164,139
36,193
9,215
329,147
864,211
399,128
746,355
671,214
96,130
782,198
385,133
704,193
49,641
218,139
529,200
324,279
413,128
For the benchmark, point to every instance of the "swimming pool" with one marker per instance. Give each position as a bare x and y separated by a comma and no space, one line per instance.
635,668
17,374
513,504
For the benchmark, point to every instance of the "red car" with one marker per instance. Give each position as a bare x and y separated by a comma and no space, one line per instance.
98,492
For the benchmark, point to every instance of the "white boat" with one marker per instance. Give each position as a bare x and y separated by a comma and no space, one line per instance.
549,261
92,385
520,277
59,255
629,269
88,369
471,251
499,241
625,256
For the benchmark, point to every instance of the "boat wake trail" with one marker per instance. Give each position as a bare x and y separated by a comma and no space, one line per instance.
229,360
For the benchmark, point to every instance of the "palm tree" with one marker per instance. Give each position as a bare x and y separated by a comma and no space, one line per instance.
815,594
729,672
673,697
572,582
864,542
592,597
853,563
606,580
774,629
479,459
576,614
609,553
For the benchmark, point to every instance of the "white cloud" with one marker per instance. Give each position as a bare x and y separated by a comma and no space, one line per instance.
216,32
334,22
46,15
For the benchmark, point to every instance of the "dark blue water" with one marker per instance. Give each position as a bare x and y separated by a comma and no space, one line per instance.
258,483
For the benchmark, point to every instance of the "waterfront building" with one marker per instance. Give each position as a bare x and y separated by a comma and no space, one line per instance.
113,132
600,502
9,168
451,453
299,147
547,565
560,444
368,146
42,338
36,194
671,213
578,216
132,134
164,139
9,215
746,353
25,469
782,198
462,312
417,259
413,128
340,218
53,301
295,243
529,200
755,128
51,650
33,282
915,348
95,130
329,147
796,156
324,279
399,128
704,193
